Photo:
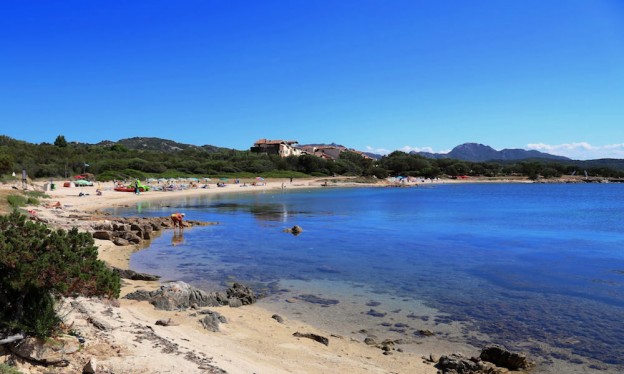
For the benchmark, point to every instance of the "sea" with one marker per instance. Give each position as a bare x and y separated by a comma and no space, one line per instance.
441,268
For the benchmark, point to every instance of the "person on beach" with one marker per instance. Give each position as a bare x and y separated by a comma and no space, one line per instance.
176,218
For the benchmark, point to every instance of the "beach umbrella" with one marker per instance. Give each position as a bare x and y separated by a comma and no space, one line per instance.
259,178
79,177
223,179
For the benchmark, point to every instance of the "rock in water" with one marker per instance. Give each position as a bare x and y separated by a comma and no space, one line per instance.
295,230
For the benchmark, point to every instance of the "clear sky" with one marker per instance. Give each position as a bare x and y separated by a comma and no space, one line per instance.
371,75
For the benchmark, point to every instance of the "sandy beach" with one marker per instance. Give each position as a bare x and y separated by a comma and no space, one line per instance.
251,341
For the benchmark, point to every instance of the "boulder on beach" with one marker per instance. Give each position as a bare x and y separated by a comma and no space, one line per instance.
494,359
502,357
180,296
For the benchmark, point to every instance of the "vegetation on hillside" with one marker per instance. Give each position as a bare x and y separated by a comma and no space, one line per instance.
152,157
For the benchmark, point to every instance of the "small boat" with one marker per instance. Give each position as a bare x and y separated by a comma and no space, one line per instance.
128,189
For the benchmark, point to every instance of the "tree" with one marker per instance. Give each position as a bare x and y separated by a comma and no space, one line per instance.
60,141
39,265
6,163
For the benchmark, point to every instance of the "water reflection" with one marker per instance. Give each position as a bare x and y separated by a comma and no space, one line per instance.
265,212
177,238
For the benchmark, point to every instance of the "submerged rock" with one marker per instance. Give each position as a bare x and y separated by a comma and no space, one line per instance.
317,300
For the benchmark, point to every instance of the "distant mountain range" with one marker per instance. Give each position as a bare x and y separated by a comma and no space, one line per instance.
475,152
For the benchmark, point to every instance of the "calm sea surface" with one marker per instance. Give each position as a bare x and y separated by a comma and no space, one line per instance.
537,267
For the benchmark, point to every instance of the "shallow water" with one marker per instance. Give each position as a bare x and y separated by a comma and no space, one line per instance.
537,267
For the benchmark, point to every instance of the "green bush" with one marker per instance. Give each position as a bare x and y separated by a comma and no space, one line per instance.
6,369
37,194
16,201
39,265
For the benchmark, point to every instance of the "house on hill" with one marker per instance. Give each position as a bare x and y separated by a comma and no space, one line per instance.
327,152
283,148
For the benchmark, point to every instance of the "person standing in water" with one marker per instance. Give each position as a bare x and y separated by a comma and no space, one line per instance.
176,218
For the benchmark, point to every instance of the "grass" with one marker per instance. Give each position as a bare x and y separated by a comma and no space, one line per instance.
16,199
6,369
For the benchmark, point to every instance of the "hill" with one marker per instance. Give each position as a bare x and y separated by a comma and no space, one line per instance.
475,152
158,145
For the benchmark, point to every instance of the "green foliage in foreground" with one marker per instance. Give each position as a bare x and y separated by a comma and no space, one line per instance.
38,265
6,369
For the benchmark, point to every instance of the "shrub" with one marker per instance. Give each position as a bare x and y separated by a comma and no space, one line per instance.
39,265
16,201
6,369
37,194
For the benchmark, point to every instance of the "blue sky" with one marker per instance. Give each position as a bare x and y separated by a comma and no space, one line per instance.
372,75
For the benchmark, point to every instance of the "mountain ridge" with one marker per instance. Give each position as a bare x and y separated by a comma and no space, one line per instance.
476,152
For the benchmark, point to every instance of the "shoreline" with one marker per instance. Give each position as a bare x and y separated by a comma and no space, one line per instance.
251,342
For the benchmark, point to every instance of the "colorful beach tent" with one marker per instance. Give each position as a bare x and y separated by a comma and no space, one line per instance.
82,182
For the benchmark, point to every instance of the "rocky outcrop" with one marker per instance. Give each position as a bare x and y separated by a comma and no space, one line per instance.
500,356
126,231
133,275
242,293
494,359
180,296
46,351
457,363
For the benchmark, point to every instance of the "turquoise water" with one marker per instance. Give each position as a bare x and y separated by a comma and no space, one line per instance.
538,267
